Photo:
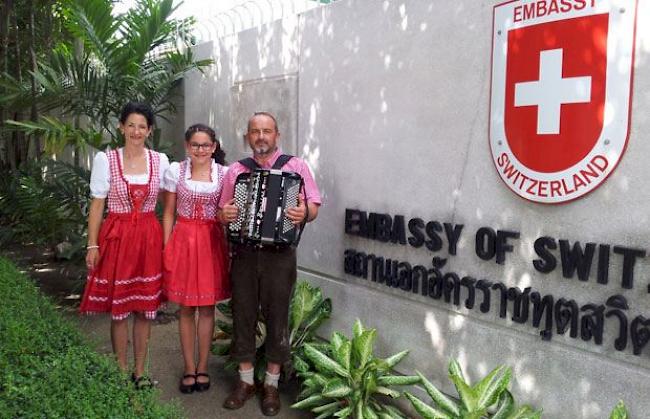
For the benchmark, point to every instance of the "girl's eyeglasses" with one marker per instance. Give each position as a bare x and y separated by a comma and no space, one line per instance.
204,146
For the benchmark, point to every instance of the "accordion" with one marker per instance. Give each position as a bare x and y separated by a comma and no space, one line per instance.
262,197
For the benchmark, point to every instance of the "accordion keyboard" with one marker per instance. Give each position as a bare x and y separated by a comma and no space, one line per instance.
240,196
291,201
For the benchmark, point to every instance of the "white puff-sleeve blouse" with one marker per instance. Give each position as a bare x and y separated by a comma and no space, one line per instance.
100,176
174,172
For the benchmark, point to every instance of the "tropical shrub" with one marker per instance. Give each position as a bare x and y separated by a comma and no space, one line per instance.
45,202
308,310
139,55
620,411
347,380
47,370
490,392
79,89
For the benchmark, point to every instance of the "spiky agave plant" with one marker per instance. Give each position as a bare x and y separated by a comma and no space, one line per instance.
490,392
347,379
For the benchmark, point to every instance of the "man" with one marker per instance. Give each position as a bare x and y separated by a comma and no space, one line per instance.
263,276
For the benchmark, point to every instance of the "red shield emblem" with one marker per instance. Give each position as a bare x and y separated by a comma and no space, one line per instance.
561,91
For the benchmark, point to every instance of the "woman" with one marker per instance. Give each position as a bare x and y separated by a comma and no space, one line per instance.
195,257
124,256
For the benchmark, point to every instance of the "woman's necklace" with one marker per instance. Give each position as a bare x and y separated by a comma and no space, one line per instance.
203,175
131,161
200,173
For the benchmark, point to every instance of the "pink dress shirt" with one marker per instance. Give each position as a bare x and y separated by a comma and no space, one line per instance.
294,165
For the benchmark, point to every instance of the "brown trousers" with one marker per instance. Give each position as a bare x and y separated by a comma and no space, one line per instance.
262,279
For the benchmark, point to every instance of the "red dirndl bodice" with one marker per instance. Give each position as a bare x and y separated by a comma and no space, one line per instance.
128,277
195,259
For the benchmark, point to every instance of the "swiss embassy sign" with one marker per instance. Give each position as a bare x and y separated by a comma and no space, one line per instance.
560,94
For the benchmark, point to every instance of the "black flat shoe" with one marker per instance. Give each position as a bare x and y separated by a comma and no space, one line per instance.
187,388
199,386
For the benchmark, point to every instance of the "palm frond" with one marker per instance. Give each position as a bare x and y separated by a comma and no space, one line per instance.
140,55
44,202
58,134
92,22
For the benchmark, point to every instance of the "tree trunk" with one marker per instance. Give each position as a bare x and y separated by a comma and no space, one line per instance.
18,138
32,54
78,53
5,14
48,28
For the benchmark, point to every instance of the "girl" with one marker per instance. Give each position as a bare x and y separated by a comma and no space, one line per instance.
124,256
195,256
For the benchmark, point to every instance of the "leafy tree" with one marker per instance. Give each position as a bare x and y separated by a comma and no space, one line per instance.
96,61
28,31
139,55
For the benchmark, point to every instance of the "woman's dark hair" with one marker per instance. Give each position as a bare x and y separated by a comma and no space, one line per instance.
139,108
219,155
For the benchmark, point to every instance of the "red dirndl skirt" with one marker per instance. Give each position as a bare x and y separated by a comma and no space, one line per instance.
128,276
195,263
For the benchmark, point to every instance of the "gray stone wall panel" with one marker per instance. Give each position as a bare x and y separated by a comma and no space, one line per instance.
391,104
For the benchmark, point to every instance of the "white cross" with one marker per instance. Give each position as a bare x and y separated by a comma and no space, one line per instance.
551,91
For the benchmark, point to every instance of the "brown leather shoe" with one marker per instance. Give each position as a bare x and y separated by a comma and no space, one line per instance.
242,392
270,400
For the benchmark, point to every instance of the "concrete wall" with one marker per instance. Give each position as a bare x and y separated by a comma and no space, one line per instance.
389,102
254,70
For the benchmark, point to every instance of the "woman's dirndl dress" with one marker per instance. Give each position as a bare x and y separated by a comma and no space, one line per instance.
196,256
128,276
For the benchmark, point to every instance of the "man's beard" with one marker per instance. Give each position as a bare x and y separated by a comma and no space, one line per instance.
263,150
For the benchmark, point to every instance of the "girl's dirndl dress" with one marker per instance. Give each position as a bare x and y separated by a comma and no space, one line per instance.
195,258
128,276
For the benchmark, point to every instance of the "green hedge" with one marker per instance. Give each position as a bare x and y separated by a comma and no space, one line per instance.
48,371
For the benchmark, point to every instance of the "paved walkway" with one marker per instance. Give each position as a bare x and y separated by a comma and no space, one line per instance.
166,367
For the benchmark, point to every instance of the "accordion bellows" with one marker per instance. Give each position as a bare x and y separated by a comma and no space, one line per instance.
262,197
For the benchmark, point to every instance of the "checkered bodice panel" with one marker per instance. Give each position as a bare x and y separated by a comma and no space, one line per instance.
197,205
118,200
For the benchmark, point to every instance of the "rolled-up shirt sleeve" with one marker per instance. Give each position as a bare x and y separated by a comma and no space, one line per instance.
228,190
311,189
100,176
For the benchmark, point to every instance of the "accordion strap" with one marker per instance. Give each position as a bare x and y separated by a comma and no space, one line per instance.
304,221
281,161
251,164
